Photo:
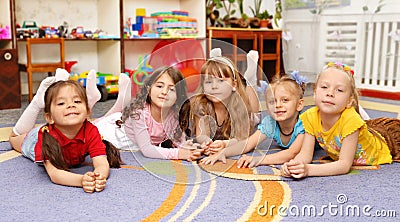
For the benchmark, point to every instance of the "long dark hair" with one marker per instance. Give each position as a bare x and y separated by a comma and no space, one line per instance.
143,96
51,148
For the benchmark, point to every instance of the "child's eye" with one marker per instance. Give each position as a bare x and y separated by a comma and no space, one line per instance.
271,102
60,103
221,80
208,82
172,89
340,90
323,87
78,101
285,100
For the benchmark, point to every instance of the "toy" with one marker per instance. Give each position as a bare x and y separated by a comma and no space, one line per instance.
143,70
29,30
5,32
78,32
63,30
69,64
106,83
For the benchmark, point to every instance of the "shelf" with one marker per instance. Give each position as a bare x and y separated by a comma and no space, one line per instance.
111,55
237,42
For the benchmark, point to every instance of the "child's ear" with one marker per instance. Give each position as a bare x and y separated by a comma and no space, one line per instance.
48,118
300,106
350,102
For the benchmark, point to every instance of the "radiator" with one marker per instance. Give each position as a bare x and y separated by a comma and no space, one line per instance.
369,44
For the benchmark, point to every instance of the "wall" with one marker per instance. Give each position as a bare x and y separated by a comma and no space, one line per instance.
302,49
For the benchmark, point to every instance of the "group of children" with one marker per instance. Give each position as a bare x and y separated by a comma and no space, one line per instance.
218,121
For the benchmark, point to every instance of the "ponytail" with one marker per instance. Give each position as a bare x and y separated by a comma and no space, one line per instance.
51,150
113,155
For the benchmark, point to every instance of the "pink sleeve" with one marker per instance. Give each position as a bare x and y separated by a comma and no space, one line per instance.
136,130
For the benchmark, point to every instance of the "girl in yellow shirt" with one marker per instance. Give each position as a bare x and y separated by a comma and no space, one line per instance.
338,128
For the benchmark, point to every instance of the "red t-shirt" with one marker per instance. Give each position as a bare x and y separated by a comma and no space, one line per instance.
87,141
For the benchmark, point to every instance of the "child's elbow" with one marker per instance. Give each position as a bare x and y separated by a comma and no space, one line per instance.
54,178
346,168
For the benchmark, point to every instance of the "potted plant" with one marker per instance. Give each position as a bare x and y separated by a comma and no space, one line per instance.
212,7
261,18
265,19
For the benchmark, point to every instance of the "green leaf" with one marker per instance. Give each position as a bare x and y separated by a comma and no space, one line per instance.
365,8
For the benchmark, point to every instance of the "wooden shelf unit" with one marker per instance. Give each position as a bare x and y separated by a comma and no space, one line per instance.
240,41
105,55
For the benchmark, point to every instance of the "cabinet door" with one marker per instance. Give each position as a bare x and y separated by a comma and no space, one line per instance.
10,96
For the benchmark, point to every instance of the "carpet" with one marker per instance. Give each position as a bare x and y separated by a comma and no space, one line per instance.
165,190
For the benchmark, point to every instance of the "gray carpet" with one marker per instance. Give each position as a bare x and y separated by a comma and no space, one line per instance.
170,190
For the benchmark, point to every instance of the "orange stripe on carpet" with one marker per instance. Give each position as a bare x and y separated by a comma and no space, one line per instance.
270,201
175,195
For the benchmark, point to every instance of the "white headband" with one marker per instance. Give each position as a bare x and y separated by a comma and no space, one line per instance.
226,62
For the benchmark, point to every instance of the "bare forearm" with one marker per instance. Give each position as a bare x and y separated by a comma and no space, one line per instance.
279,157
328,169
101,166
103,170
236,148
66,178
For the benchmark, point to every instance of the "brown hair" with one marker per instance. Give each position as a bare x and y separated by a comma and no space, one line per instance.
238,107
143,97
50,147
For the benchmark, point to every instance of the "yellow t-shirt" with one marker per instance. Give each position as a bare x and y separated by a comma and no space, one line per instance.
371,150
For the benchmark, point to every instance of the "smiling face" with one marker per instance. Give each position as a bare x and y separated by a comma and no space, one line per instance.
282,103
163,92
67,109
218,89
333,92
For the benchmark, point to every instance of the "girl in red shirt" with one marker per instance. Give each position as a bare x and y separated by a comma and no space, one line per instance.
67,138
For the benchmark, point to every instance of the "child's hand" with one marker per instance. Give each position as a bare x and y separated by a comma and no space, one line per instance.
210,160
249,161
100,182
188,144
216,146
297,169
284,170
189,154
88,182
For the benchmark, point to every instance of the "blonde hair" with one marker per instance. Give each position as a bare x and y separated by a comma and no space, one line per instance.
350,74
290,83
238,106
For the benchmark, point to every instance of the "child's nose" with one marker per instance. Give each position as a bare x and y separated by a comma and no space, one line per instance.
165,90
71,104
214,84
329,93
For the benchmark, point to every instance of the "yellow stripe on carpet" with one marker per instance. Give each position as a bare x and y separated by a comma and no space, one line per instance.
9,155
192,196
175,195
5,133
